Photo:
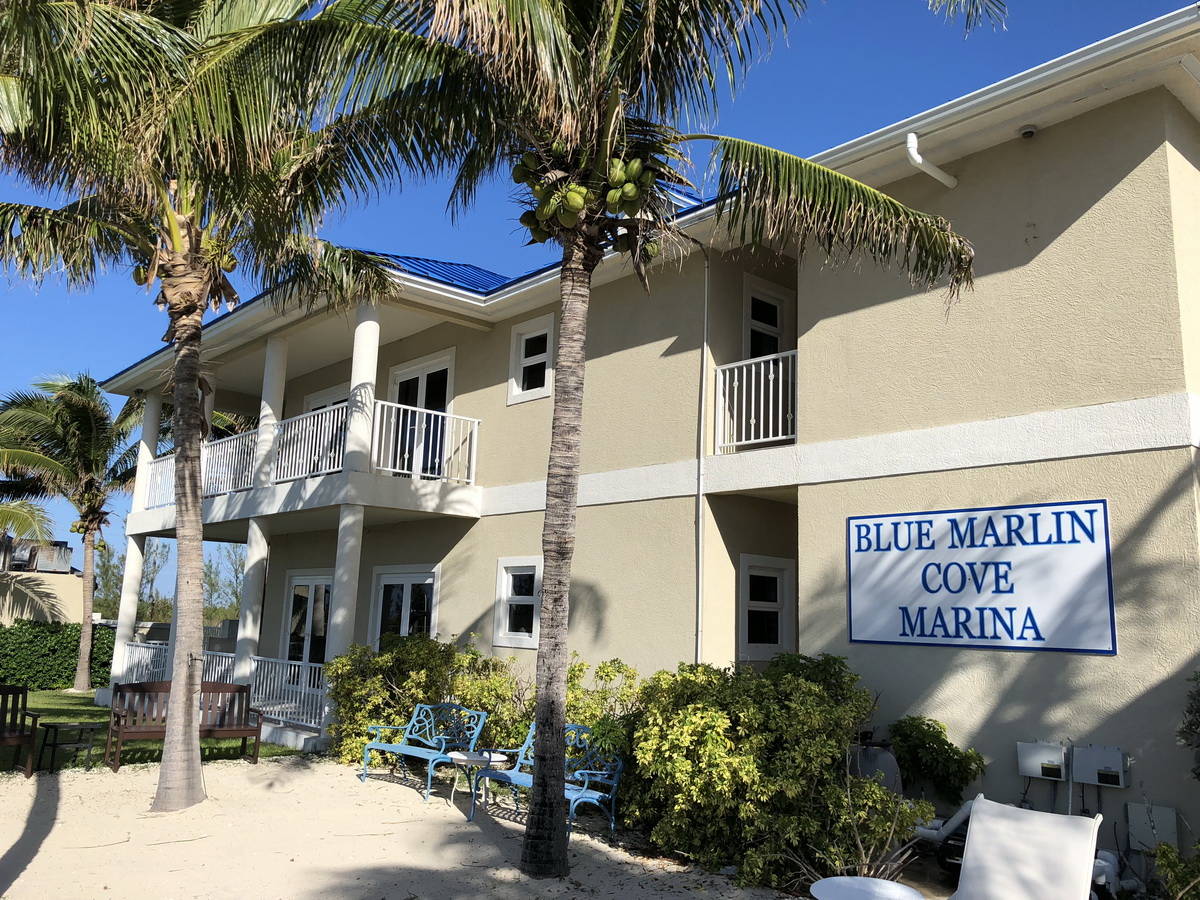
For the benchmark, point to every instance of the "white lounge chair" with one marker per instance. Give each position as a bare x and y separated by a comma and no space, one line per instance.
1021,853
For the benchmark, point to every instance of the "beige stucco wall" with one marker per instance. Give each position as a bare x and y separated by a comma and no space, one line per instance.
1183,158
991,699
633,586
43,597
734,525
1075,299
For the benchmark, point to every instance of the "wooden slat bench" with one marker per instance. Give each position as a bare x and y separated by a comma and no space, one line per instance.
18,726
139,713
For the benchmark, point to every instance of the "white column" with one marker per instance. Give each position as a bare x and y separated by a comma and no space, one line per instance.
363,367
345,581
147,448
270,407
254,581
131,584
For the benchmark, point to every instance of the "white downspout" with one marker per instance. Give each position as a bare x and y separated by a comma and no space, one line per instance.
701,447
914,157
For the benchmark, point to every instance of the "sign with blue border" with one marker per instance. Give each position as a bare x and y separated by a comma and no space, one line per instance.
1032,577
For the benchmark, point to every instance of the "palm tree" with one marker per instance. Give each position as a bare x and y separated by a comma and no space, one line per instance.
584,98
61,440
146,116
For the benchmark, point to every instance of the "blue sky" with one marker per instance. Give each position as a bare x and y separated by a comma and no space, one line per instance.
849,68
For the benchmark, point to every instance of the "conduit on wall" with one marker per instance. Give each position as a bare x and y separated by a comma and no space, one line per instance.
914,157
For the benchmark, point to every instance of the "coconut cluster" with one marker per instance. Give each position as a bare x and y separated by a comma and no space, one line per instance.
567,195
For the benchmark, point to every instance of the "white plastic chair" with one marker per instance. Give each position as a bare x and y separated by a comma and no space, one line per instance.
1012,852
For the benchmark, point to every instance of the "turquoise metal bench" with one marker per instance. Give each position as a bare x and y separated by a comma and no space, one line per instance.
432,732
592,774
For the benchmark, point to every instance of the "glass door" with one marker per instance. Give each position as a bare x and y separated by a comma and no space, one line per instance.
307,628
405,605
421,438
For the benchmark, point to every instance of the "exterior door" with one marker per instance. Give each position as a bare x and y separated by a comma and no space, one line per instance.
308,618
405,605
420,441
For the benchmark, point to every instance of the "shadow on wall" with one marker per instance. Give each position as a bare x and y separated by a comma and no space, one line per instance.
26,596
992,698
586,622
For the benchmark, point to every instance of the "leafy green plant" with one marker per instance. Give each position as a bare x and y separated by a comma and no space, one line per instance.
1179,876
43,655
925,754
733,767
1189,730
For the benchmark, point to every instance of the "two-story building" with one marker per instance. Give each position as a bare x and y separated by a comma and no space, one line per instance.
990,508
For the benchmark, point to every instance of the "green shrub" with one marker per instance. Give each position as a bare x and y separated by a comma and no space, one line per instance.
738,768
925,754
1179,877
43,655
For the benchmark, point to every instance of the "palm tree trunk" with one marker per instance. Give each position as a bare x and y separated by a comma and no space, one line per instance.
180,783
544,853
83,668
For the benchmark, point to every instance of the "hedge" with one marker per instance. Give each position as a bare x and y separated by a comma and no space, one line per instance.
43,655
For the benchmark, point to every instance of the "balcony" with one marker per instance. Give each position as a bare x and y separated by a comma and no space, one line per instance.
406,441
756,403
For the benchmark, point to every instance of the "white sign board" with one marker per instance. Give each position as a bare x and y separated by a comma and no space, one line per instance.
1033,577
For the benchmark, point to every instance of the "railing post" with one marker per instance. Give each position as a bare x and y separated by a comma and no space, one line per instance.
270,408
719,416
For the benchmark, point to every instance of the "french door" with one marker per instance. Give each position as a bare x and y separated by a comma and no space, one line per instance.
307,626
404,604
420,440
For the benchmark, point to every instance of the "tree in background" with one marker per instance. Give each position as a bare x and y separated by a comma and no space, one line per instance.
223,568
61,440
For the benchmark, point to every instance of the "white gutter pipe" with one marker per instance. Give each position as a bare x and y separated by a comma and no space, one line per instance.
914,157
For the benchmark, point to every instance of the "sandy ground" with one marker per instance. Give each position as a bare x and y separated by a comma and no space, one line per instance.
296,828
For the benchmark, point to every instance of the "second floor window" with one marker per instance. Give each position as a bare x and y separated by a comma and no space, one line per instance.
531,361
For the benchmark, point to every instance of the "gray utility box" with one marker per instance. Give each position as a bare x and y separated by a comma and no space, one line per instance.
1042,759
1103,766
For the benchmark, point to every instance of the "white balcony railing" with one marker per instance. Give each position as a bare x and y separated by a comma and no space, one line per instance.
228,464
292,692
311,444
146,662
160,482
421,443
756,402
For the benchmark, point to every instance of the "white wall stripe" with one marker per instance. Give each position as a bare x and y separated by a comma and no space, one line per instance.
1153,423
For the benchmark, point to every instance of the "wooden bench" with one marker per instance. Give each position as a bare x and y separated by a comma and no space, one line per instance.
139,713
432,732
18,726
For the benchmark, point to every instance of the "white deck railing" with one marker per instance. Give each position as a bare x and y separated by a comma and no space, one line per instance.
146,661
421,443
228,464
406,440
292,692
756,402
160,481
311,444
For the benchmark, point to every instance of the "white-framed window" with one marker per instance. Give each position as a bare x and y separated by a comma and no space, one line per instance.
339,393
518,602
531,360
766,606
404,601
763,306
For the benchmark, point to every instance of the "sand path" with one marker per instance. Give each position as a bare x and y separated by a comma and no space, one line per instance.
297,828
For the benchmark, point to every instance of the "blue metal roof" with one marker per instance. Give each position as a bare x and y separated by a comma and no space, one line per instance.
462,275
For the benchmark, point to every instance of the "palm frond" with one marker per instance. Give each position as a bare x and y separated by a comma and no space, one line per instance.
974,13
26,520
304,271
773,197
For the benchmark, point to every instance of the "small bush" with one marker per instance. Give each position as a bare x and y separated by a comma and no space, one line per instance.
1179,877
739,768
43,655
925,754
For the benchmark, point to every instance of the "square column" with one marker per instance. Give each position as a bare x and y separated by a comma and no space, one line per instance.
344,602
131,584
270,408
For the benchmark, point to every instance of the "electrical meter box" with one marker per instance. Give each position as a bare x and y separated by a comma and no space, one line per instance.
1103,766
1042,759
1150,826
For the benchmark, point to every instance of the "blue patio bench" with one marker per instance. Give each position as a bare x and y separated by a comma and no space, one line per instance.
592,774
432,732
